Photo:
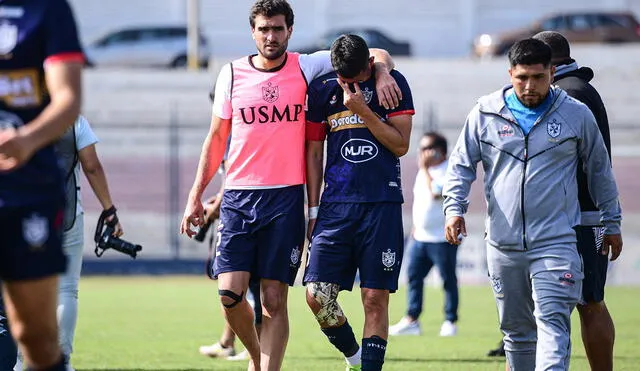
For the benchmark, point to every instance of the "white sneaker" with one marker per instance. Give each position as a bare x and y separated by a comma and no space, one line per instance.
242,356
405,327
448,328
217,350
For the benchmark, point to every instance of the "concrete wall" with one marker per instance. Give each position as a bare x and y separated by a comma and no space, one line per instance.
434,27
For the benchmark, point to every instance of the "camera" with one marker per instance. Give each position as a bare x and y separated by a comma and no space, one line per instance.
109,241
105,239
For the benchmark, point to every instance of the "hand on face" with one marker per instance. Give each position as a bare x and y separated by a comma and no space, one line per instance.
354,101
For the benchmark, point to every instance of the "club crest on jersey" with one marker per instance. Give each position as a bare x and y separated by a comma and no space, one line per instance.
554,128
270,93
388,258
295,255
8,37
35,230
367,94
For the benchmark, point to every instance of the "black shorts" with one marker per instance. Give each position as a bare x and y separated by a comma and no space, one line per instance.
595,264
31,243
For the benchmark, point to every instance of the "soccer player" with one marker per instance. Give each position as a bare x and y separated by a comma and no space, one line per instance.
261,98
40,65
75,149
358,225
529,137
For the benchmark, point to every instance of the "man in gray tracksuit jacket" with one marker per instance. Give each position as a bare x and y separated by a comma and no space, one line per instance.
532,200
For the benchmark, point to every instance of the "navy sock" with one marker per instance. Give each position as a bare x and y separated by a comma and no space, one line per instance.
343,339
373,350
60,366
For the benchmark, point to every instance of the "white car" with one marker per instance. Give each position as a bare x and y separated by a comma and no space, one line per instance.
162,46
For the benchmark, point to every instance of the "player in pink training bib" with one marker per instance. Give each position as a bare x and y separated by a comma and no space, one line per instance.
261,98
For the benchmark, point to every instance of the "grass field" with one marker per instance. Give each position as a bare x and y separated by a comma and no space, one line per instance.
157,323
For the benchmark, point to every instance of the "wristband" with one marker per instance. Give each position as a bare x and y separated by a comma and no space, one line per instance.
313,212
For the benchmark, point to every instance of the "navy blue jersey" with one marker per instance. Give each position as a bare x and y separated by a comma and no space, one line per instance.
359,168
32,33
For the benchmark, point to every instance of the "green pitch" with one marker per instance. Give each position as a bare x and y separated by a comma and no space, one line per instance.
158,323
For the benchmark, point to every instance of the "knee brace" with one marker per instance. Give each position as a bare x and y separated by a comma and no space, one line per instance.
232,295
326,295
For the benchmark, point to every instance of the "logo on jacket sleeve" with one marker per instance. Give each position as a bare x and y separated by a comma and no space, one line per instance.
270,93
388,259
554,128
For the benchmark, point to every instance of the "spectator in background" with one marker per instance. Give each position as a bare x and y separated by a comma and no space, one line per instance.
427,245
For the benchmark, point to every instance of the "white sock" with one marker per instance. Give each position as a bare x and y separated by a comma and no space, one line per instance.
354,360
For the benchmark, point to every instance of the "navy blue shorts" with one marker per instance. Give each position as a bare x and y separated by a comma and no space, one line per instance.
261,232
347,237
595,264
31,243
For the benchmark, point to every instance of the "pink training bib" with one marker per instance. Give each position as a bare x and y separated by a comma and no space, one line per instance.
268,125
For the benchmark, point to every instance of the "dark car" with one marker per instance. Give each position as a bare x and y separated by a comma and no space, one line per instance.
577,27
373,37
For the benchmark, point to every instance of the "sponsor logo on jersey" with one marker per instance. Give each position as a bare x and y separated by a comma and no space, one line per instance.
20,88
347,120
271,114
358,150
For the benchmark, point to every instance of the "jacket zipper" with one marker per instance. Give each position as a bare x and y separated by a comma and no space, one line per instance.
524,176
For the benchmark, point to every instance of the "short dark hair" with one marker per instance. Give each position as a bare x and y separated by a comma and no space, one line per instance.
439,141
349,55
271,8
530,52
560,49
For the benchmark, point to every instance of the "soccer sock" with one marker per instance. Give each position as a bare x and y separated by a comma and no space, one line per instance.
355,359
343,339
373,350
60,366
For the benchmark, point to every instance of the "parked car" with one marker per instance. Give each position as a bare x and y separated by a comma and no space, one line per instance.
577,27
373,37
162,46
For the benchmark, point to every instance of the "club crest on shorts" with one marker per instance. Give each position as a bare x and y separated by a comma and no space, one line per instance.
554,128
270,93
295,255
496,285
388,258
35,230
8,37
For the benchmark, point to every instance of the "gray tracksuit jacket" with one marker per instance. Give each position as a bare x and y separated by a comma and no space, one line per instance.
530,180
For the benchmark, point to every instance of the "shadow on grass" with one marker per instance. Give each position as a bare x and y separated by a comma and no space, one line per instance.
417,360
